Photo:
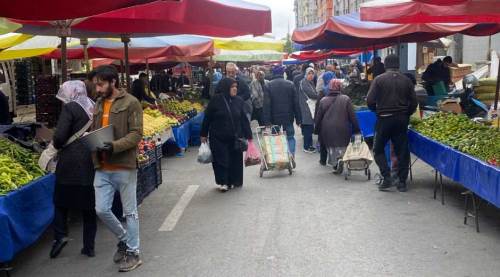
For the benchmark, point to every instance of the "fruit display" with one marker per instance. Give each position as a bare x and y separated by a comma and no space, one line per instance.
156,122
178,107
144,146
18,166
461,133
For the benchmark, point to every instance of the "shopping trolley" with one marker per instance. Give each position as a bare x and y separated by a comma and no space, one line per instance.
274,149
357,157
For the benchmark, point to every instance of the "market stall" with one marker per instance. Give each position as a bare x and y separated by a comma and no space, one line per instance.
24,216
26,193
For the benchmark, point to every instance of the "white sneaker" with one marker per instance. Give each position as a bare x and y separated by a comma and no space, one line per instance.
224,188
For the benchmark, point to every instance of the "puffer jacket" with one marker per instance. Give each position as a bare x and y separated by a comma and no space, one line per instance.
126,117
281,104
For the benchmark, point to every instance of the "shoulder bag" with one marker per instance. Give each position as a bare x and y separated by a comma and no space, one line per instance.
48,158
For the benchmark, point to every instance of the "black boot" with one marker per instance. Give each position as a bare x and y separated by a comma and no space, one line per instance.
57,247
89,252
402,187
385,183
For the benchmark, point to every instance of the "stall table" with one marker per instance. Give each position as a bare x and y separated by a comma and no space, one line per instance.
24,215
477,176
183,133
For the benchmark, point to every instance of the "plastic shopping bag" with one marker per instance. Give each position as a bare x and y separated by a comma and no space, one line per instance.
252,156
204,154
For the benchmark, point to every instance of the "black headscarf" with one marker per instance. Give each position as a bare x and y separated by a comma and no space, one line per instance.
224,87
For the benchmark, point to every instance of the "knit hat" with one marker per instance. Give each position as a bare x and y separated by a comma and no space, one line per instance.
309,69
392,61
335,85
278,70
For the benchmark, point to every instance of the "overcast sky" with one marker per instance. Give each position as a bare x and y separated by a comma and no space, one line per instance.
282,11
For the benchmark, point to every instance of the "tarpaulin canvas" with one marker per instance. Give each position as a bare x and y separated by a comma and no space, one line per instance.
219,18
24,216
431,11
349,32
478,176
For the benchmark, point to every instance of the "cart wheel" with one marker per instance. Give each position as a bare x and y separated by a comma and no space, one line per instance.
369,175
261,172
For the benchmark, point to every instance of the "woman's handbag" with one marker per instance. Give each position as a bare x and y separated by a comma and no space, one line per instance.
48,158
240,144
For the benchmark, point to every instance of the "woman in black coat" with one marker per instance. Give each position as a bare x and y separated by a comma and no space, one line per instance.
224,131
75,171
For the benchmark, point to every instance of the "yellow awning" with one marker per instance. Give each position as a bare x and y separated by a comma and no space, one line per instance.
11,40
35,46
249,43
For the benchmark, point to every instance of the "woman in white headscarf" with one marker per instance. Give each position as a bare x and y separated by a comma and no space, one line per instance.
307,101
74,172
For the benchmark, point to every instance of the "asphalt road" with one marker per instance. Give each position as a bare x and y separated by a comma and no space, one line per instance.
310,224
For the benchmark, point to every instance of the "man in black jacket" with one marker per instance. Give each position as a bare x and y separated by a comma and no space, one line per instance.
392,96
281,106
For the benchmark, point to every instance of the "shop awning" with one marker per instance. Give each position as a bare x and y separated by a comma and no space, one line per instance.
249,43
12,39
427,11
168,59
141,48
36,46
348,32
317,55
61,9
221,18
248,56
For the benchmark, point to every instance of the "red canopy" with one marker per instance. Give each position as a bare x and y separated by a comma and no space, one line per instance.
442,2
168,59
61,9
425,11
349,32
142,48
317,55
221,18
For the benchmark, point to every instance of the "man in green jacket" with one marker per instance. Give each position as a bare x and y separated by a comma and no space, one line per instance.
115,163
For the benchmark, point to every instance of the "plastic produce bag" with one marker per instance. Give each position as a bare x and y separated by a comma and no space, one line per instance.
252,156
204,154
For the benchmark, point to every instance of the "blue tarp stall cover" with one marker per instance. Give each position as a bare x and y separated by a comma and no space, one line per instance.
479,177
366,120
182,133
24,216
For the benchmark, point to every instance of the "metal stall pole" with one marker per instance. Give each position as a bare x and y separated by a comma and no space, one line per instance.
85,43
126,40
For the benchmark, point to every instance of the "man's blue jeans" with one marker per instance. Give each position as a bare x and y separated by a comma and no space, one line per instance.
124,181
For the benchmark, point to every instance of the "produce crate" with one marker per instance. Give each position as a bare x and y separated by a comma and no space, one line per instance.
146,181
159,152
458,73
159,177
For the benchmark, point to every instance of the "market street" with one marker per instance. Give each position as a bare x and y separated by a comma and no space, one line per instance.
310,224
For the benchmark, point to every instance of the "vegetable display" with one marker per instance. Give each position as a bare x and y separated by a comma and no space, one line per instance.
18,166
461,133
